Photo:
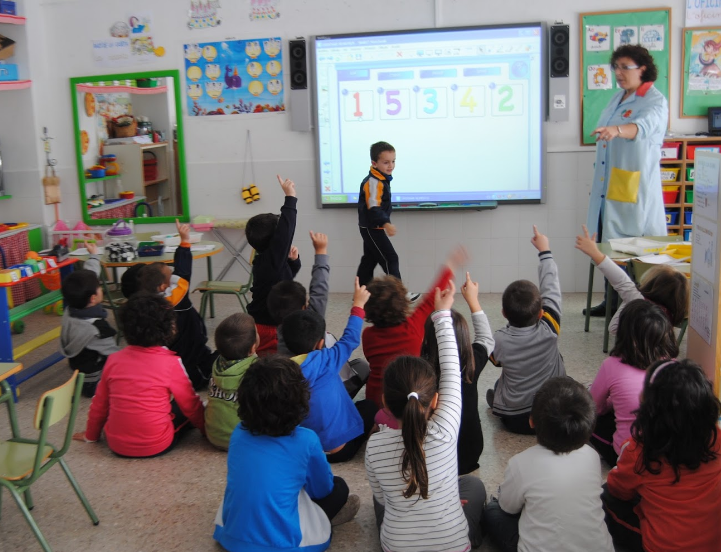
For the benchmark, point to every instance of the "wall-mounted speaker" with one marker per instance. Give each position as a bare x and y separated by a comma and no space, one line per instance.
559,71
300,110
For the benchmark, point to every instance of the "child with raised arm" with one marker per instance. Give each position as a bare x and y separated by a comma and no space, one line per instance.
527,348
86,338
550,498
191,336
664,494
473,358
275,260
341,425
420,503
662,285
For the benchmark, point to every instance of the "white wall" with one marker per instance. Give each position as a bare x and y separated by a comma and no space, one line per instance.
498,240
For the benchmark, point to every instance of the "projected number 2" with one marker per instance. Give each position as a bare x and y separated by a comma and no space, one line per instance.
507,100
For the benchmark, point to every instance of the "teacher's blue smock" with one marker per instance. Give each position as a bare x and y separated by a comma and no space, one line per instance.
627,176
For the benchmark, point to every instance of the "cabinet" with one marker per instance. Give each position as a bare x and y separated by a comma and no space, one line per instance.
678,154
135,160
9,27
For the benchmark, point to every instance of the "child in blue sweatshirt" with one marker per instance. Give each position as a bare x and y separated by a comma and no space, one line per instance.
341,425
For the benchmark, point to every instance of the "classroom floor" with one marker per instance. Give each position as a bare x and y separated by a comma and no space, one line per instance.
169,503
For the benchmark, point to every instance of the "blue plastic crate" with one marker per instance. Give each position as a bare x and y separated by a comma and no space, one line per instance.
688,217
671,217
8,72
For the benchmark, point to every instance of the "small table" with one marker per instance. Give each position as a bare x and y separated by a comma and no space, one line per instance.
619,258
8,369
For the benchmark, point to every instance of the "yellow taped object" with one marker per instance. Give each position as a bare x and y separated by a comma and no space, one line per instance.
246,195
255,194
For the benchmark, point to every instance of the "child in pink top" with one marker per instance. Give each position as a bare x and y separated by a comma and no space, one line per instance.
144,398
645,335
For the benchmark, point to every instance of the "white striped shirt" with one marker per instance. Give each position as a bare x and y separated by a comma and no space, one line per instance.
436,524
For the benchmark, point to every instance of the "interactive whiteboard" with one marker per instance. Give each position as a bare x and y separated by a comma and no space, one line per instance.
463,107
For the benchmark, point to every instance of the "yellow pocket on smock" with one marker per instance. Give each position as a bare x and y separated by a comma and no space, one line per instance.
623,185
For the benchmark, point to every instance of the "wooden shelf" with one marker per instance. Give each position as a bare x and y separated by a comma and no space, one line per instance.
12,19
15,85
671,161
153,182
114,204
111,177
117,88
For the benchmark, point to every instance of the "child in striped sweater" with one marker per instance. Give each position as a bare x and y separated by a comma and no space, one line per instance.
413,471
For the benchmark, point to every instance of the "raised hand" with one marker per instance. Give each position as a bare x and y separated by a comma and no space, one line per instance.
444,299
540,241
183,231
288,186
320,242
469,290
293,253
360,295
457,258
588,245
92,247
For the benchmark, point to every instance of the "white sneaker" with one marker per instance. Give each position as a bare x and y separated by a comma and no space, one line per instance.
412,296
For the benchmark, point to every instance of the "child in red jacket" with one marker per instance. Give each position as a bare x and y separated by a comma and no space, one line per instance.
145,398
395,331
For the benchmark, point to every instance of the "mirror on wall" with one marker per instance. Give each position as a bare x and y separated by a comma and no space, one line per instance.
129,147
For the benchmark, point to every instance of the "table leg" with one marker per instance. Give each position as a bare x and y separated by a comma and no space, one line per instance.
9,397
209,260
611,300
589,297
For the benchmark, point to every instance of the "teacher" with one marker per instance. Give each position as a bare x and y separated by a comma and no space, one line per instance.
626,198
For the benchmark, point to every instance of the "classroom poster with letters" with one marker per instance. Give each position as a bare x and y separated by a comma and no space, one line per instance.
702,303
706,186
702,13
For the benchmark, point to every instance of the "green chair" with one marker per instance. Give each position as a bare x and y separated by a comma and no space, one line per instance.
220,287
23,461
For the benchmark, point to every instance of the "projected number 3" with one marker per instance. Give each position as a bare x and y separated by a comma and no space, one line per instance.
432,103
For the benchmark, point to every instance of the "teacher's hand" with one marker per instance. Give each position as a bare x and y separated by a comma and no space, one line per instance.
606,133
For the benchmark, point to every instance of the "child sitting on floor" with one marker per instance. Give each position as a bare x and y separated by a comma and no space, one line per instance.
275,260
645,335
236,339
280,492
419,501
341,425
395,330
473,359
173,284
665,492
290,296
144,399
86,338
550,498
663,285
527,348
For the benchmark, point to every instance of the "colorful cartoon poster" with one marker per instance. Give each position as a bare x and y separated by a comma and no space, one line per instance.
704,72
264,9
598,38
234,77
624,35
130,42
204,14
652,37
599,77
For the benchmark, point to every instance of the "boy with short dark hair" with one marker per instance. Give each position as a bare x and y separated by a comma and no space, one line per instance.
191,335
527,348
374,216
86,338
275,260
341,425
236,339
550,498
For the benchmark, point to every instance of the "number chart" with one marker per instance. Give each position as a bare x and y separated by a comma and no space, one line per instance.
465,119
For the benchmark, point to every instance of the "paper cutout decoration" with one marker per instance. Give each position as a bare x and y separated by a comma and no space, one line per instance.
599,77
598,38
625,35
203,14
264,9
652,37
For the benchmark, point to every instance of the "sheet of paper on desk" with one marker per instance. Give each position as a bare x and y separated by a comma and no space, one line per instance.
194,247
660,259
80,251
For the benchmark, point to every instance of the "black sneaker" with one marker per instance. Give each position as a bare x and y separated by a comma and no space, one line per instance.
490,395
598,310
412,296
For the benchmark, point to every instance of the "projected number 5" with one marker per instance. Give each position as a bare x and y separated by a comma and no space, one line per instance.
395,104
431,103
358,106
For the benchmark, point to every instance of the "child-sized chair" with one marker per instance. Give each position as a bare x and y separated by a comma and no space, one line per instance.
23,461
221,287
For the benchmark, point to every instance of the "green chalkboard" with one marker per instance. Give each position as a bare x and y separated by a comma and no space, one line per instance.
601,34
701,82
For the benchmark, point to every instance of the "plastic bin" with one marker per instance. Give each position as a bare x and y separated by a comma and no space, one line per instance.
671,217
687,235
689,196
689,174
688,217
691,150
670,174
669,150
670,194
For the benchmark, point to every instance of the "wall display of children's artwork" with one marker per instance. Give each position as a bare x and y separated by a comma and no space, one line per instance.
701,79
130,42
601,34
234,77
204,14
264,9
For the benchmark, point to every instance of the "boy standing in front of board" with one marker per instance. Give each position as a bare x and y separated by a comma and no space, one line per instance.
374,217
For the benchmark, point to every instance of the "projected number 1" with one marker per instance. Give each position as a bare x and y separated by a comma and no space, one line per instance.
358,106
432,103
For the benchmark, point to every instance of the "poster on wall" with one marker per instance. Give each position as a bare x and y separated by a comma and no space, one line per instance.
204,14
234,77
704,72
130,42
264,9
702,14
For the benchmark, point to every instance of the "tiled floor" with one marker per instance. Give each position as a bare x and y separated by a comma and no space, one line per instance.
169,503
